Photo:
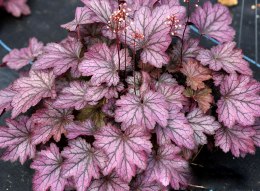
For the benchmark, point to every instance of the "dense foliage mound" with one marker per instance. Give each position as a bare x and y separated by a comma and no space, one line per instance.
128,98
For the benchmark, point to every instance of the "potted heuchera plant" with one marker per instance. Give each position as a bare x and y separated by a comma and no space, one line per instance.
15,7
128,98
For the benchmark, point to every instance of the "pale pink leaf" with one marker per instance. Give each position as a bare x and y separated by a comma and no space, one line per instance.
166,167
83,16
16,138
6,98
102,63
30,90
139,183
61,57
226,57
126,151
96,93
178,130
150,33
48,170
145,111
51,122
102,9
17,7
110,182
237,139
77,128
17,59
202,124
214,21
173,94
73,96
82,162
190,49
240,101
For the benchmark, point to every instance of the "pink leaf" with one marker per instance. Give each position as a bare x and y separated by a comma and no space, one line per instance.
17,139
166,167
166,79
51,122
73,96
237,139
101,9
96,93
178,129
48,170
109,108
17,59
109,183
17,7
150,33
214,21
77,128
145,111
225,57
6,98
256,137
173,94
60,57
202,124
83,16
190,50
240,101
30,90
140,183
218,78
126,151
82,162
102,64
195,74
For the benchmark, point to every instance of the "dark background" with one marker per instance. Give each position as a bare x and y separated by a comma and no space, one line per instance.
216,171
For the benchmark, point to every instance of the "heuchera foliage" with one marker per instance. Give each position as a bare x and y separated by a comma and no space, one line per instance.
16,7
129,97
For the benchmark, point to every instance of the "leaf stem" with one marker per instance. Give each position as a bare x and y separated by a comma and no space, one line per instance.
185,28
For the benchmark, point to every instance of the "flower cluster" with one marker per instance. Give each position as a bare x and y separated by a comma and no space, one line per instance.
129,97
15,7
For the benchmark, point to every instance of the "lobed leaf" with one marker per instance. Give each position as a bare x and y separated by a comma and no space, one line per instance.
126,151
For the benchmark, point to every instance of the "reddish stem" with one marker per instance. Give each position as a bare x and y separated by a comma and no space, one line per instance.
185,28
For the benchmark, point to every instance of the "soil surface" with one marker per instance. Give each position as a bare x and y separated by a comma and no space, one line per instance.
215,170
